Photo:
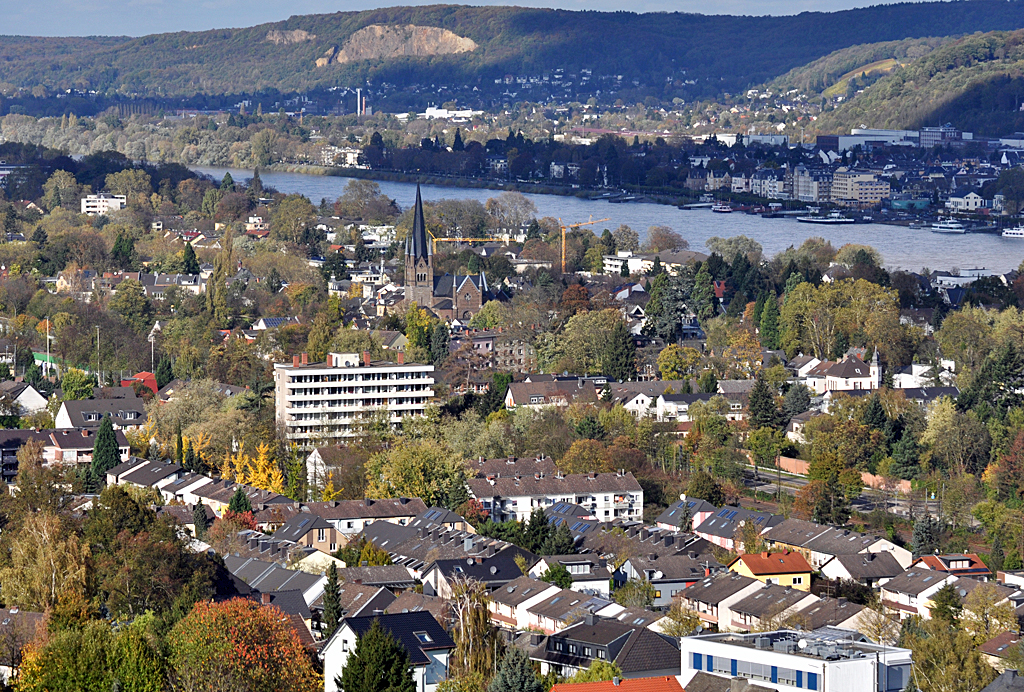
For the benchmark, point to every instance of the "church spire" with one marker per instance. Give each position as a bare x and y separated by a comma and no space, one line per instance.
420,247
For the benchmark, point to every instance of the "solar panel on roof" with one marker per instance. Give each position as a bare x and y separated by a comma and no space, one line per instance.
575,526
584,528
733,513
723,512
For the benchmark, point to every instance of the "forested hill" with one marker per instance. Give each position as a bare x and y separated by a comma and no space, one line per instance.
479,44
976,83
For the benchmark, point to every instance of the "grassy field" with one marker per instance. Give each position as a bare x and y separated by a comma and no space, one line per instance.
879,66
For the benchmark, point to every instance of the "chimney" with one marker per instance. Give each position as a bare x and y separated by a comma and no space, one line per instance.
669,540
359,581
366,358
265,598
401,358
467,544
615,681
589,619
692,554
737,685
305,358
295,361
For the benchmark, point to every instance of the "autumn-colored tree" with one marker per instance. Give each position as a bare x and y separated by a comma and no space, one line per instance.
574,299
676,362
585,456
417,468
48,562
239,644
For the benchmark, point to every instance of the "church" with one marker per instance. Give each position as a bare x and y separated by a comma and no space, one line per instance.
457,297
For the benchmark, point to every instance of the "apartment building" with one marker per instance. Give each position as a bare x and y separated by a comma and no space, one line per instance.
320,403
607,496
103,203
858,189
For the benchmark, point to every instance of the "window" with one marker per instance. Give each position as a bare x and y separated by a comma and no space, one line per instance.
797,581
698,662
344,645
349,524
423,637
786,676
722,665
657,594
588,652
321,535
573,649
601,654
334,546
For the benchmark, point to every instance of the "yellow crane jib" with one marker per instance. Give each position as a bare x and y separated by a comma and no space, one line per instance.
575,225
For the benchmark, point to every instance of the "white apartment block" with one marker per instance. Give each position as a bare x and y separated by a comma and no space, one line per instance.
825,660
103,203
322,403
608,496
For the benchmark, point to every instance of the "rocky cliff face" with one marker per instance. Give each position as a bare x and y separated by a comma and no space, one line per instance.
379,42
295,36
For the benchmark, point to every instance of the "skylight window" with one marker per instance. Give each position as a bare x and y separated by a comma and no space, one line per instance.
423,637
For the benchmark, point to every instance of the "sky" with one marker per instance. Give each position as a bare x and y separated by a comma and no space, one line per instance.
141,17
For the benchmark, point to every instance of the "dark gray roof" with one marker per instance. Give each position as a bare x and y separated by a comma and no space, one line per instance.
393,576
418,246
301,524
770,600
915,581
718,587
870,565
119,411
290,601
726,521
151,473
633,648
828,611
127,466
268,576
510,466
365,509
406,628
572,483
518,590
1006,682
675,512
819,538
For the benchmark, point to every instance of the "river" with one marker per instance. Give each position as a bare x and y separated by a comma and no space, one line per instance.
903,248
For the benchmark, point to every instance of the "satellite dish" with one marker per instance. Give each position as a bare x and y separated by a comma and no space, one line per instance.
802,644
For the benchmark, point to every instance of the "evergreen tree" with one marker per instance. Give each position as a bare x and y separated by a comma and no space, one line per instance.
874,414
906,457
759,309
239,502
378,664
796,401
256,185
705,305
515,674
707,382
123,252
227,184
189,460
457,144
926,537
189,261
656,267
179,447
164,373
558,575
332,602
624,270
769,324
439,340
297,480
559,542
537,531
946,605
199,519
620,355
996,555
763,411
702,485
105,454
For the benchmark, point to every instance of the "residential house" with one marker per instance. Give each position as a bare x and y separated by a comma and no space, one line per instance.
270,576
685,515
395,578
560,610
151,474
712,597
998,650
670,574
125,414
960,564
184,516
18,628
666,683
183,487
412,602
910,593
419,549
636,650
23,396
538,395
852,373
769,604
675,408
350,517
423,638
508,606
493,570
311,531
965,201
870,569
606,495
724,527
833,612
819,543
783,568
590,574
825,660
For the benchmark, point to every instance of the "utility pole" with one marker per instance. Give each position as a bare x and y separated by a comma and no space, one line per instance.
98,355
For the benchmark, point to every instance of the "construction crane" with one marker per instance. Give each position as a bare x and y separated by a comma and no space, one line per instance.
574,225
437,240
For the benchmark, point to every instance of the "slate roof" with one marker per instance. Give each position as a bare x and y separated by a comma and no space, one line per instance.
726,521
392,576
819,538
770,600
828,611
675,512
301,524
404,628
367,509
870,565
493,571
115,408
289,601
717,587
914,581
151,474
510,466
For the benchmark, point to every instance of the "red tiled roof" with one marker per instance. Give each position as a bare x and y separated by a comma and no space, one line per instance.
659,684
941,563
786,562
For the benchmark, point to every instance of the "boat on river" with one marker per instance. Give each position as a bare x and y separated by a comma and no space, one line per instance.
833,219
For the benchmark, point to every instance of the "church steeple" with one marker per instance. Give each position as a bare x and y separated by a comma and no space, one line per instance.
419,247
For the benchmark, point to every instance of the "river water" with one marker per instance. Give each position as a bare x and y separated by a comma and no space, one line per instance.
904,248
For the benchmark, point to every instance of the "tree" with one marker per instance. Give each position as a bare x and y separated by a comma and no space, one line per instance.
661,238
707,382
332,602
240,644
239,503
477,644
987,613
681,620
76,385
620,355
946,605
626,239
702,485
515,673
763,411
705,304
47,565
105,453
227,183
122,254
416,468
635,593
796,401
599,671
557,574
676,362
164,373
559,542
768,330
926,536
946,659
199,519
61,190
131,303
189,261
765,444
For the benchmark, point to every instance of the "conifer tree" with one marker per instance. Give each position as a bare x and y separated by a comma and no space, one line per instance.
457,144
769,324
763,411
189,261
239,502
164,373
705,305
378,662
620,355
179,446
515,674
199,519
188,459
105,454
332,602
228,183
